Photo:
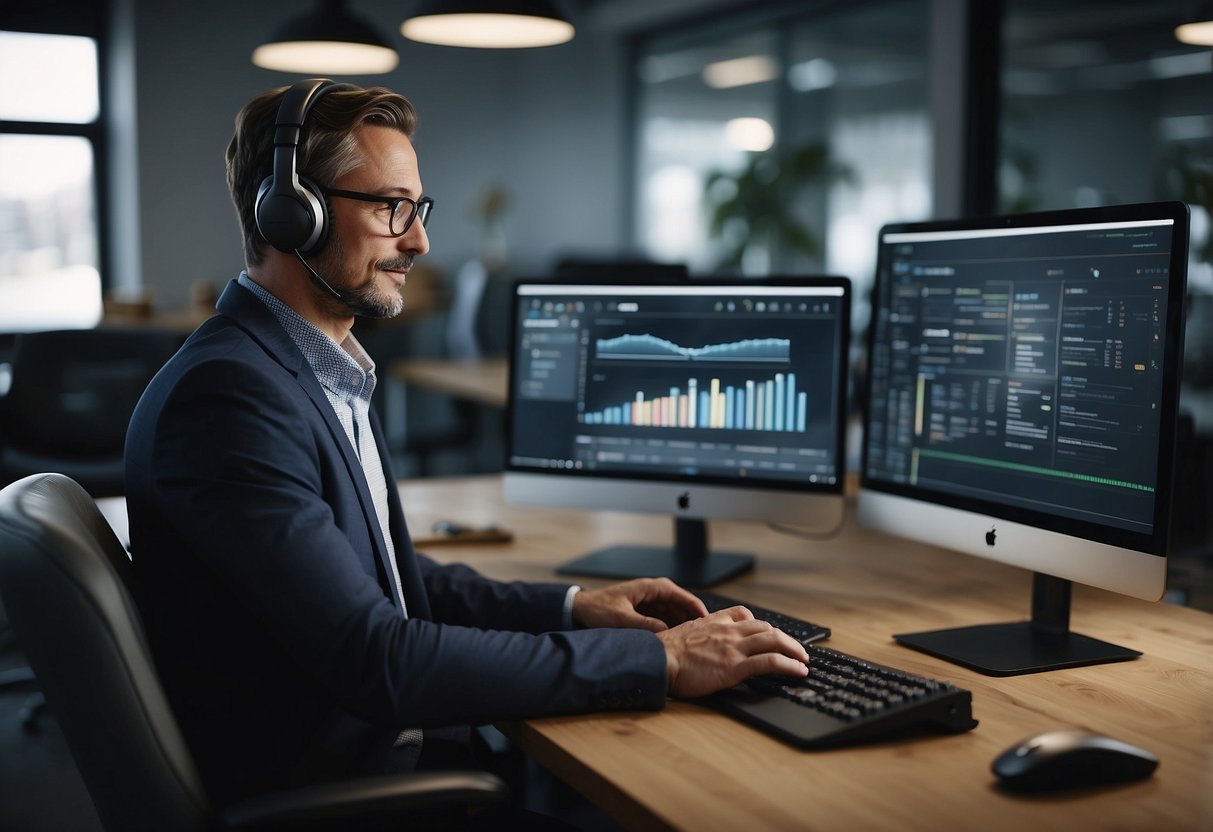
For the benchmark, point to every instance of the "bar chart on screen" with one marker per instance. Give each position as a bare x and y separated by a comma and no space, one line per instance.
770,404
732,387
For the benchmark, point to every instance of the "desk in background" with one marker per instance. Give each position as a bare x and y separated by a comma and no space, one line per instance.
690,768
472,396
480,380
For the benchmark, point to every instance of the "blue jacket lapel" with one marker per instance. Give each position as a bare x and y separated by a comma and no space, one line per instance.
250,314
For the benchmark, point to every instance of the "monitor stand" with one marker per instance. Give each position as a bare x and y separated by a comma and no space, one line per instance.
1044,643
689,563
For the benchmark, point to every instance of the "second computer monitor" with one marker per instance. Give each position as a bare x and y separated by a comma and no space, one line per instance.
701,400
1023,386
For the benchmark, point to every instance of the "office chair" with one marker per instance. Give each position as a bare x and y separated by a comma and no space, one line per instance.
71,398
34,704
451,422
65,580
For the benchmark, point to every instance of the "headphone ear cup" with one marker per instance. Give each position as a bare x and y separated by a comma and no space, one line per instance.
322,215
294,219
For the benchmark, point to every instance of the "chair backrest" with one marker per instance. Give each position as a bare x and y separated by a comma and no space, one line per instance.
66,584
73,391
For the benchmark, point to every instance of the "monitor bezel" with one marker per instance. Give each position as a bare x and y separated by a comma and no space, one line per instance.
705,483
1155,543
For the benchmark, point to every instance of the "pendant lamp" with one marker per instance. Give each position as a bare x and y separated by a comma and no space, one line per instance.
1199,30
327,41
489,24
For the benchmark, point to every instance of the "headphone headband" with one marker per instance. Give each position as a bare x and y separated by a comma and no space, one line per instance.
291,212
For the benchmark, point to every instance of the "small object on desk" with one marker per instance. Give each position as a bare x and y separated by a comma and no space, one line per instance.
1071,759
446,531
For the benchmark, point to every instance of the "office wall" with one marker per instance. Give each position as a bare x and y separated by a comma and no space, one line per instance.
546,125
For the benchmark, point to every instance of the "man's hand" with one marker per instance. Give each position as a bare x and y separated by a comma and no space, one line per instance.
725,648
653,604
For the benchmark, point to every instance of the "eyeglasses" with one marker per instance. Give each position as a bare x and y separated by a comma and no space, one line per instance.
403,209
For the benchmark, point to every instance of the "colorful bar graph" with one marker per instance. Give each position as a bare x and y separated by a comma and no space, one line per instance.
768,405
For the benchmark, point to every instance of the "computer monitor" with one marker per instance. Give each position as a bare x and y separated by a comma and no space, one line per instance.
701,400
1022,388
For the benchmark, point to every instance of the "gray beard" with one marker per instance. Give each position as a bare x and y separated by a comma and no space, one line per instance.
366,302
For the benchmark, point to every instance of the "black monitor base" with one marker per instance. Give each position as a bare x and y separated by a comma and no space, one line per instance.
688,563
1014,649
622,562
1044,643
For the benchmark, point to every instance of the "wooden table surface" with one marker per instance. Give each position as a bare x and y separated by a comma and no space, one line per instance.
689,768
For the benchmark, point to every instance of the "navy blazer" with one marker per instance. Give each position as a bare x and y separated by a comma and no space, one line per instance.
268,599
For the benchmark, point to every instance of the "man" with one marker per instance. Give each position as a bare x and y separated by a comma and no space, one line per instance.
299,636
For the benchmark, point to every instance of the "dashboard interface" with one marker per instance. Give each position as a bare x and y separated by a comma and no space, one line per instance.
1024,367
705,382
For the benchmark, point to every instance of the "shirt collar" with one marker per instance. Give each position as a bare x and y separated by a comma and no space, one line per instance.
344,369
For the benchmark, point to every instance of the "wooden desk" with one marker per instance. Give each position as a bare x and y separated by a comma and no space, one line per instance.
482,380
689,768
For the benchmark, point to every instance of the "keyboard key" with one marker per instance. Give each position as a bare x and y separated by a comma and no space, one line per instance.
806,632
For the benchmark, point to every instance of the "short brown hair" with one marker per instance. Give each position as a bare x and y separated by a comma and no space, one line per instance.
327,150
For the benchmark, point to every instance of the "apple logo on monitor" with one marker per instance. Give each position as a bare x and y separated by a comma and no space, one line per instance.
991,535
684,500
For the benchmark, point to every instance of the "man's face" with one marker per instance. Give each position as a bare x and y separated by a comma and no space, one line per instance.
362,260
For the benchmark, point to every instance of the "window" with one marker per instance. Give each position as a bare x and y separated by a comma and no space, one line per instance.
49,137
1100,105
771,144
860,82
707,105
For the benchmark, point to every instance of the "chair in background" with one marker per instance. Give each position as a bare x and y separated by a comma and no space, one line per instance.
71,398
422,424
66,584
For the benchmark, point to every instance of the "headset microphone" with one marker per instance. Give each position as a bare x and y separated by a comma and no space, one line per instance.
318,280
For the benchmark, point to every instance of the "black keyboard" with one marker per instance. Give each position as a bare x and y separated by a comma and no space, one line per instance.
845,700
806,632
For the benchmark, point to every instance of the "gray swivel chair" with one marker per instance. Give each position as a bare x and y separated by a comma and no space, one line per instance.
66,586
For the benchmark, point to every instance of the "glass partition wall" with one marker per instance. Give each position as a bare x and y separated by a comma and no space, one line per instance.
780,138
780,142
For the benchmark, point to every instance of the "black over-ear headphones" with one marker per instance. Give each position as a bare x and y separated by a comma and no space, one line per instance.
292,213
